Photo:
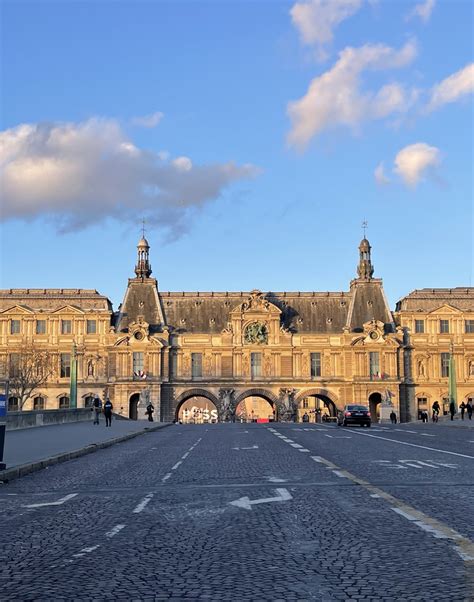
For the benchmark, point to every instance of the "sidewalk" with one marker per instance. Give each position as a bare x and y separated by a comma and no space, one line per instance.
28,450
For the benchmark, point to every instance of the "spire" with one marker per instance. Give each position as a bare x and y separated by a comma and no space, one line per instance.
365,269
143,267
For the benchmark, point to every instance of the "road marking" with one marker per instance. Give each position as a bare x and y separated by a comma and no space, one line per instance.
304,450
286,440
427,435
183,457
143,503
244,502
166,477
86,551
177,465
251,447
375,495
275,480
114,531
330,436
297,445
339,474
464,547
57,503
441,451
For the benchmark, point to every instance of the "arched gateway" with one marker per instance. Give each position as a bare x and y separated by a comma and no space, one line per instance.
256,405
203,406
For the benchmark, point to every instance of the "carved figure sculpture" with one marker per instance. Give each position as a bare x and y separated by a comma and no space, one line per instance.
421,367
226,409
286,407
256,332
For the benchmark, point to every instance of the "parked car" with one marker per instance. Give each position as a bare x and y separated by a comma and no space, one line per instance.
354,414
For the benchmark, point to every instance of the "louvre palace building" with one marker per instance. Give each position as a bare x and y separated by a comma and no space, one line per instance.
243,355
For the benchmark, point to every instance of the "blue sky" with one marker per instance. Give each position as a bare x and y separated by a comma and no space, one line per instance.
247,133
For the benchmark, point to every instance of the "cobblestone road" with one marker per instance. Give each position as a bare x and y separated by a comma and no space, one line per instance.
248,512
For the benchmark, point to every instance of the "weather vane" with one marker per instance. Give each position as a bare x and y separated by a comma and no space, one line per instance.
364,226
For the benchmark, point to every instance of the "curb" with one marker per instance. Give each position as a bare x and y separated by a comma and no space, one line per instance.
24,469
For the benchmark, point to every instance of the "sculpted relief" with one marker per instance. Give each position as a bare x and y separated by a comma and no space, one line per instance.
256,333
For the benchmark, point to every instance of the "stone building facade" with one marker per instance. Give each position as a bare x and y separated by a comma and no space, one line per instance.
299,352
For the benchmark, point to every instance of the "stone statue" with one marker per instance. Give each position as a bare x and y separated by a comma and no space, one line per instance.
286,405
226,409
421,367
471,368
90,367
256,332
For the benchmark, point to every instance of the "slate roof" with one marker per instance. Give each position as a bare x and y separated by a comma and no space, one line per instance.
428,299
51,299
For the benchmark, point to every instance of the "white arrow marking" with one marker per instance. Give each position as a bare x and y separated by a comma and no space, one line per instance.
58,503
252,447
244,502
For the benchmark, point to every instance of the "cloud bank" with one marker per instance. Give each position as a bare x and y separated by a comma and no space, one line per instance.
453,88
415,160
335,98
81,173
422,11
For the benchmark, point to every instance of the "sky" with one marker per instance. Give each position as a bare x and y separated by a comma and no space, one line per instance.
253,137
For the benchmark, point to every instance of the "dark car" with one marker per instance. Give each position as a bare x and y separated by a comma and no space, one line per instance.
354,414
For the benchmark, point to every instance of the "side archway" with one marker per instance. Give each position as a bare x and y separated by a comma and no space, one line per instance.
194,393
313,411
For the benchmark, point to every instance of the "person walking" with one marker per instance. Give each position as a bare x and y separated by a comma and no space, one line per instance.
393,417
97,409
469,409
424,416
108,407
149,410
436,409
452,408
462,407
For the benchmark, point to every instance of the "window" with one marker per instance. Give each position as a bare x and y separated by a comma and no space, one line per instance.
64,402
66,327
305,404
196,365
89,401
469,326
422,405
419,326
255,365
374,365
14,365
91,327
40,326
315,365
65,365
15,327
137,363
13,404
445,364
444,326
38,403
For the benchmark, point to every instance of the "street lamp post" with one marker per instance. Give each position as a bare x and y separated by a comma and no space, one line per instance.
3,419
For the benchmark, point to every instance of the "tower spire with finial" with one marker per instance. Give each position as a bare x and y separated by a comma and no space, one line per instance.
365,269
143,266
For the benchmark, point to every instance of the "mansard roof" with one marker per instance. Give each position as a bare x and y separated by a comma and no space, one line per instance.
52,299
429,299
318,312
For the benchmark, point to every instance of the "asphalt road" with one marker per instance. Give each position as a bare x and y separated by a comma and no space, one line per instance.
248,512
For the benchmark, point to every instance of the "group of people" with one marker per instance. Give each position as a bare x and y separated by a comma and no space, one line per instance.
108,407
436,409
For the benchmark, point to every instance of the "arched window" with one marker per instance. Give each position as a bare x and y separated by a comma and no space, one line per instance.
13,404
89,401
38,403
64,402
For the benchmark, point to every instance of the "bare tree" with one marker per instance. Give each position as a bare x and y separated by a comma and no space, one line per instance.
29,368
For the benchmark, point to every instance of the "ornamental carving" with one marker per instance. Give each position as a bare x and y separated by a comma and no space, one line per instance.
256,300
256,333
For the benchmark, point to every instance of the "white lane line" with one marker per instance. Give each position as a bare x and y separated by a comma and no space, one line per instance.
177,465
375,495
441,451
166,477
297,445
57,503
91,549
114,531
404,514
339,474
427,435
304,450
143,503
330,436
183,457
426,464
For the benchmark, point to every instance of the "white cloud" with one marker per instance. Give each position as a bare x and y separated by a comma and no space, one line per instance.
422,10
452,88
80,173
335,99
380,176
415,160
148,121
317,19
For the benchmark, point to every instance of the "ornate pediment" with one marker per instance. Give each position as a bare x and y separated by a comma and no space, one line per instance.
256,302
68,309
18,309
445,309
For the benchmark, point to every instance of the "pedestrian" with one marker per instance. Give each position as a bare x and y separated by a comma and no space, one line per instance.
469,409
393,417
108,407
306,417
436,409
149,410
462,407
452,408
97,409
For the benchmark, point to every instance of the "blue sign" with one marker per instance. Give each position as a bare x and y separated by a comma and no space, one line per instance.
3,405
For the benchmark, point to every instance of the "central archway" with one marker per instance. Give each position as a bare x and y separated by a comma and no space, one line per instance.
256,405
316,405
